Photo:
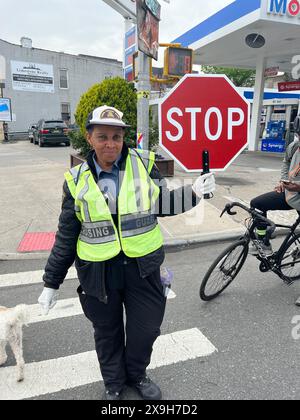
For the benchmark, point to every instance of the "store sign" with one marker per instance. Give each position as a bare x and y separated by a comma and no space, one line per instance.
32,77
284,8
5,110
288,86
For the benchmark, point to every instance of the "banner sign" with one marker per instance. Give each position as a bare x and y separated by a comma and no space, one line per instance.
5,110
288,86
130,38
32,77
148,15
154,7
271,71
130,48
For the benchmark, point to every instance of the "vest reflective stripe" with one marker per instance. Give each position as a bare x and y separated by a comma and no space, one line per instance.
74,172
137,183
81,195
137,224
147,157
138,232
97,232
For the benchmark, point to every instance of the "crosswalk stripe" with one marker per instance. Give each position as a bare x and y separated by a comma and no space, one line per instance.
64,308
56,375
29,277
34,277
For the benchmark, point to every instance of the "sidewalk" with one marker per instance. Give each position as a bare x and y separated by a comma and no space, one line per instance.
31,194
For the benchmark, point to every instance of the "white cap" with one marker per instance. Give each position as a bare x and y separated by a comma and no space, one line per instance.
106,115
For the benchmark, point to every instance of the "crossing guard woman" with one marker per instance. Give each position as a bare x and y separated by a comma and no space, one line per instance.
108,226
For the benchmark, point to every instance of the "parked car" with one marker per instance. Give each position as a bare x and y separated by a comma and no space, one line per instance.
52,132
74,127
31,130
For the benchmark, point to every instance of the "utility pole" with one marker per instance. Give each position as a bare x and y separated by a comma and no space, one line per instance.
127,9
143,93
2,86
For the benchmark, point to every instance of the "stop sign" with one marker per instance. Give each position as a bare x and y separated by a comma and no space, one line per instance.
204,113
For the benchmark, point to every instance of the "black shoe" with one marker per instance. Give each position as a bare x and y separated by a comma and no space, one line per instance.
147,389
109,395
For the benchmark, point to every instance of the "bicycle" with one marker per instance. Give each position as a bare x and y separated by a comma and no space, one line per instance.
284,262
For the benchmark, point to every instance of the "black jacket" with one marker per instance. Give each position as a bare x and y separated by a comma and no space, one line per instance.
64,253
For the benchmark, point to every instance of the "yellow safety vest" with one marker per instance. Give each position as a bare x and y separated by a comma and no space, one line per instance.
138,233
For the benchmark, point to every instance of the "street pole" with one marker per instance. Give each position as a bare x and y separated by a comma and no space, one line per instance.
2,135
143,92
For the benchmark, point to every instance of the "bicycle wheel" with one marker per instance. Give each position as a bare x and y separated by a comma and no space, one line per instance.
224,270
289,262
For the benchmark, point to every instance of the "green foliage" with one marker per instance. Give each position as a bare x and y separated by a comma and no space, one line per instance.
239,77
79,143
153,136
114,92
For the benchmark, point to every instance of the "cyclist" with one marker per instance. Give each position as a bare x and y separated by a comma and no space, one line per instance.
286,195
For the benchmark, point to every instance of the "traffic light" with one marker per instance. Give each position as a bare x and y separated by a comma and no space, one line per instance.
178,61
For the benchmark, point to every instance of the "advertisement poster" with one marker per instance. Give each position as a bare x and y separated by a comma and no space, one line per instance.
5,110
32,77
130,49
148,17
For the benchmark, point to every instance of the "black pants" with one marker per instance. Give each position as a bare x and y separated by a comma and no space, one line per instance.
125,352
270,201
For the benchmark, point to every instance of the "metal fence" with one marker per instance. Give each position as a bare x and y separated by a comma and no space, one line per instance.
18,135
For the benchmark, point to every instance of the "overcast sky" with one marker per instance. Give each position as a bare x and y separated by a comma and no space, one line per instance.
91,26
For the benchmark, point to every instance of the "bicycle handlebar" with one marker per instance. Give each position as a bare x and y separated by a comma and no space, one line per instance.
228,209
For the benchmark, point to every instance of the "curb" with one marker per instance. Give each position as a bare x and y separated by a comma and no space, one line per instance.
170,244
10,256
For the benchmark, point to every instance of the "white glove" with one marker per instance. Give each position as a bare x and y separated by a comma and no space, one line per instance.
48,299
205,184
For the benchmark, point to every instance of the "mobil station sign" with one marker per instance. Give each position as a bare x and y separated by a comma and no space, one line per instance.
204,112
284,7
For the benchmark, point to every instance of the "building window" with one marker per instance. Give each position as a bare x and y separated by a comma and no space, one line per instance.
66,112
63,79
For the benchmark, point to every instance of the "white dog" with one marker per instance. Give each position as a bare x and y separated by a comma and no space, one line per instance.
11,323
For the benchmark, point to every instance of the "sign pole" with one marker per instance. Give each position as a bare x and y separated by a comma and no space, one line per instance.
2,134
143,92
206,170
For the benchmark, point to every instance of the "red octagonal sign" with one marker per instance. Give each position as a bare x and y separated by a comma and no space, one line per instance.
204,113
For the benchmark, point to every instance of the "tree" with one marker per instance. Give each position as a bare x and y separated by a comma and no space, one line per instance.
239,77
114,92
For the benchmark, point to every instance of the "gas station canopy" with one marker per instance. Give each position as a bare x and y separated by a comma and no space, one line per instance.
220,40
252,34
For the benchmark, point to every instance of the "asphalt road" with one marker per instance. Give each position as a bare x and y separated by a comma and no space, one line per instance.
250,325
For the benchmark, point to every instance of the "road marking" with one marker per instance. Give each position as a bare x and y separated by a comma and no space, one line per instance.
237,200
267,170
65,308
55,375
29,277
35,277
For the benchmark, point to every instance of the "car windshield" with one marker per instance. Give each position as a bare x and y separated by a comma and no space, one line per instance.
52,124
